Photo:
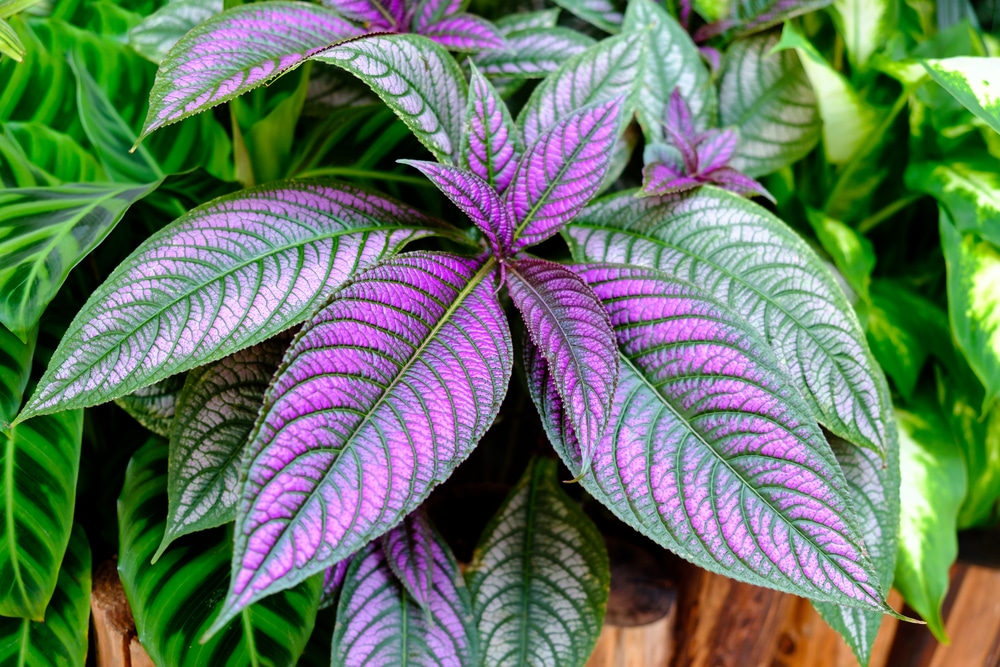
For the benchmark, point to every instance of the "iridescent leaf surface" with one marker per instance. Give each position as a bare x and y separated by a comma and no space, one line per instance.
534,52
156,34
417,79
381,622
333,579
601,13
215,413
61,641
428,12
491,142
539,577
384,392
410,550
572,331
711,451
465,33
608,70
225,276
154,406
562,171
44,233
768,97
761,269
174,599
374,14
236,51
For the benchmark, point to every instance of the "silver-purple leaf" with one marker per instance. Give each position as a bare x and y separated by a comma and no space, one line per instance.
601,13
712,452
333,579
383,393
215,414
225,276
543,18
154,406
417,79
379,623
476,198
236,51
610,69
373,14
465,33
757,266
411,549
559,174
572,331
428,12
534,52
491,142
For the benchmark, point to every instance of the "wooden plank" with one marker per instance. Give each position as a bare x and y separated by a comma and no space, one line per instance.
973,622
115,641
640,646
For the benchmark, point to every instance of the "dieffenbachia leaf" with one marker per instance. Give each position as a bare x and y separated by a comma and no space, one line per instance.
382,620
971,81
15,368
539,577
866,26
562,171
60,641
768,97
491,142
39,462
852,253
44,233
333,579
465,33
236,51
174,599
968,186
608,70
417,79
601,13
534,52
156,34
973,293
384,392
711,451
933,486
747,257
672,63
476,198
571,330
215,413
154,406
225,276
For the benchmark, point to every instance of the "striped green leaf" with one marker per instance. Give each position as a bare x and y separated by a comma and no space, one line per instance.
972,81
154,406
39,461
44,233
10,43
15,367
539,577
34,155
61,640
175,600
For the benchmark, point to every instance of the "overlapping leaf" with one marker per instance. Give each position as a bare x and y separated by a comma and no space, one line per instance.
601,13
35,155
543,18
491,142
761,269
156,34
215,414
225,276
15,367
533,52
44,233
968,187
417,79
333,579
384,392
971,81
539,577
750,16
174,599
711,451
465,33
154,406
237,50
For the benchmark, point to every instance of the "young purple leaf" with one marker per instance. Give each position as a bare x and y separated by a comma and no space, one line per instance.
735,474
679,116
715,149
379,623
236,51
663,179
562,171
428,12
384,392
572,331
333,579
476,199
735,181
411,551
225,276
376,15
466,33
491,142
713,57
534,53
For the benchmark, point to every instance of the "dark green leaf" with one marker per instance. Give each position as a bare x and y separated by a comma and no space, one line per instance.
154,406
15,367
969,188
851,252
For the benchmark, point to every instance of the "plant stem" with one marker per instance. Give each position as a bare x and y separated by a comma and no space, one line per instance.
885,213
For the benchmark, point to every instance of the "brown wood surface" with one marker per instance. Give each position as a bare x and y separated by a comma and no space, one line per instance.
637,646
115,641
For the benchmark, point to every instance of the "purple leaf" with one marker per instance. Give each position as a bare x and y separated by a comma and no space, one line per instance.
715,149
712,452
534,52
560,173
374,14
465,32
679,116
379,623
236,51
225,276
663,179
333,579
427,12
476,199
685,145
412,550
384,392
491,141
713,57
734,181
572,331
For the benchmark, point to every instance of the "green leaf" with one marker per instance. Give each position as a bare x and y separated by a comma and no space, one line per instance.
866,26
10,7
270,140
10,43
539,577
54,157
39,460
156,34
974,301
154,406
973,82
932,489
968,187
61,641
15,368
851,252
768,97
44,233
174,601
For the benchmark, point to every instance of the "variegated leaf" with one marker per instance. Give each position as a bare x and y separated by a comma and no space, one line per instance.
15,368
156,34
333,579
534,52
465,33
374,14
154,406
544,18
491,142
428,12
601,13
